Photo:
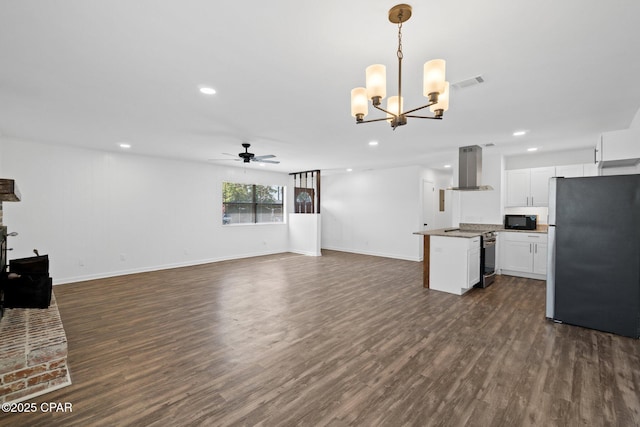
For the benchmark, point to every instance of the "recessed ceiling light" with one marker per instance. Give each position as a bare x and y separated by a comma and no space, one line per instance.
532,149
447,166
349,170
207,90
373,143
124,145
519,132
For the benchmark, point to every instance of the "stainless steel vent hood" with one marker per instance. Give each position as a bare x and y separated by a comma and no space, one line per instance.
470,169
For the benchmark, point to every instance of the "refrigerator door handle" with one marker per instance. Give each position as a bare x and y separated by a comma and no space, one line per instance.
551,218
551,273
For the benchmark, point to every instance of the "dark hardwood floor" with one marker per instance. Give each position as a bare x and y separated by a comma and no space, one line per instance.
342,339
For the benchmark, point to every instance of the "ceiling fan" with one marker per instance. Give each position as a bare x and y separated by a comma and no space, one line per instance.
247,157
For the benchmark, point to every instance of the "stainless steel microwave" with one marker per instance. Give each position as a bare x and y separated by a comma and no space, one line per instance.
521,222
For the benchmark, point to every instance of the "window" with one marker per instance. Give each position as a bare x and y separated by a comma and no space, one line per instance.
251,203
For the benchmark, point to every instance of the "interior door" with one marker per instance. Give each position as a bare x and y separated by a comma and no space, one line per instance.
428,205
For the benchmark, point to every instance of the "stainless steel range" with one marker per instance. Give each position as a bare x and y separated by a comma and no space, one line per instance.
487,259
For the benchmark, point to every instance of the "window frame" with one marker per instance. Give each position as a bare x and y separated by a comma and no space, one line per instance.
254,205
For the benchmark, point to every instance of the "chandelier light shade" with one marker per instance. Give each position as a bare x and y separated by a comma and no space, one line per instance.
435,86
393,106
359,102
443,101
434,76
376,81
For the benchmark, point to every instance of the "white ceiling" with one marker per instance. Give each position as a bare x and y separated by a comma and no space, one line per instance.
95,73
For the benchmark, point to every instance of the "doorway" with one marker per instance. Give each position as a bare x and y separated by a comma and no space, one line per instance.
428,205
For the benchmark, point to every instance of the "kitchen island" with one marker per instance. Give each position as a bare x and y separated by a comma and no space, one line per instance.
451,259
446,249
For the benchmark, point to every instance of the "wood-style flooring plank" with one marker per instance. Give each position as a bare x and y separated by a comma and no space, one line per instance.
337,340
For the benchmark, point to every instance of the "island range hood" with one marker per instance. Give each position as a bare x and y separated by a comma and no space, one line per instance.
470,169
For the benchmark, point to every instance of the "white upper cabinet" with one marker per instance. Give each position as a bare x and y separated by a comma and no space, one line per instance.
618,148
518,187
528,187
590,169
540,185
576,171
570,171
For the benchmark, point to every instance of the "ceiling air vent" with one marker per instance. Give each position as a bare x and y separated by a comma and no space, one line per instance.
468,82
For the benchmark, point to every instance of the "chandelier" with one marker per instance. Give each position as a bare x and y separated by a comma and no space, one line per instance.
435,88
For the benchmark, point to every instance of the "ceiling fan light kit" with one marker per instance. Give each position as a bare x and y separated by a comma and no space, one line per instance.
435,87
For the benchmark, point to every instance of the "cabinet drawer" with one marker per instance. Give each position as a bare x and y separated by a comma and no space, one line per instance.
524,237
474,242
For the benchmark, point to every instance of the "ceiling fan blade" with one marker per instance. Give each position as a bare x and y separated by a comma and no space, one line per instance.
266,156
223,160
275,162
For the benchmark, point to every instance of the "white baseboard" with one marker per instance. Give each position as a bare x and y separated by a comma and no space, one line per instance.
523,274
106,274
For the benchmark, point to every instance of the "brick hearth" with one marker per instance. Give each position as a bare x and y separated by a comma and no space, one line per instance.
33,353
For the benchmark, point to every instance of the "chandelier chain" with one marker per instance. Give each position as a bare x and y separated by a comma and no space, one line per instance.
400,40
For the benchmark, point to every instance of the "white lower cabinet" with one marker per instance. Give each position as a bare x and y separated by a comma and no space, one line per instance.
454,263
523,254
473,265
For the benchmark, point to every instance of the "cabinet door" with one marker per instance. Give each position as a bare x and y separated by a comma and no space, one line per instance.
570,171
516,256
620,145
518,187
590,169
473,267
540,258
598,151
540,186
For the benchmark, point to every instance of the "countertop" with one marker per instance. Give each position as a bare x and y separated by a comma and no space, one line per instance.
469,231
543,228
450,232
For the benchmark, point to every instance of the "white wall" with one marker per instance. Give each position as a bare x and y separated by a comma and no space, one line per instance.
373,212
483,207
304,234
441,181
101,214
555,158
635,123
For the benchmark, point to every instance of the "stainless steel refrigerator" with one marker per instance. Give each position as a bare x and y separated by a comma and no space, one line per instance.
593,277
